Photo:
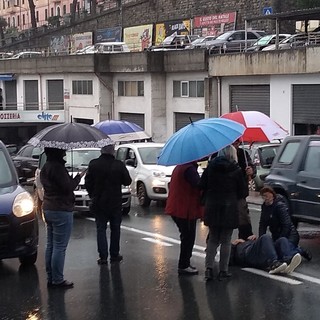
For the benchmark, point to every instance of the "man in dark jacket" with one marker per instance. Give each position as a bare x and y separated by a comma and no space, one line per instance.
103,181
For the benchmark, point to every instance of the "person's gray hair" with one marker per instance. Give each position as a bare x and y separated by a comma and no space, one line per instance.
229,152
109,149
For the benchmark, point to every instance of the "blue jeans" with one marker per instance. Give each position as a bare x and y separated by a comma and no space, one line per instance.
102,220
285,249
59,226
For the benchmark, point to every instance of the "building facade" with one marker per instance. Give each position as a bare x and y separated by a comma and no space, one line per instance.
160,91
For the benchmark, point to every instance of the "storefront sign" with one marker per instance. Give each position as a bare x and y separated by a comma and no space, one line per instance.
32,116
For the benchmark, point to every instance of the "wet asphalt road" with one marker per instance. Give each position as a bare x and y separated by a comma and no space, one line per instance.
146,285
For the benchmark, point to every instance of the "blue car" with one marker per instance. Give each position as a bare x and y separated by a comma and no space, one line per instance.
19,231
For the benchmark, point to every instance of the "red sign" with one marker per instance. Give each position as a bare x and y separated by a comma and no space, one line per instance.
214,19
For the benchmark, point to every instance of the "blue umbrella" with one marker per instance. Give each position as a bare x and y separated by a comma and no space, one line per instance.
120,130
199,139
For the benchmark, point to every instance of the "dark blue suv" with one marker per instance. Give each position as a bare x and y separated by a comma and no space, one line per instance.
19,231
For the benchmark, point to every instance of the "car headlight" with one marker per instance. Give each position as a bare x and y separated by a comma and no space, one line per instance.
22,205
158,174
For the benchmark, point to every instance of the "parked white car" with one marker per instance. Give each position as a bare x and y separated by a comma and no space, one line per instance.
78,160
150,181
27,54
107,47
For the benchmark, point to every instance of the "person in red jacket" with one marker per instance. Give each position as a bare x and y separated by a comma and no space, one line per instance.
184,206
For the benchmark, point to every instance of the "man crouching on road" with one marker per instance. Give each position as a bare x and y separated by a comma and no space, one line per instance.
103,182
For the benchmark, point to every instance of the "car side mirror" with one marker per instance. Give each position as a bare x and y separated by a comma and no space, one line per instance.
263,176
22,180
130,162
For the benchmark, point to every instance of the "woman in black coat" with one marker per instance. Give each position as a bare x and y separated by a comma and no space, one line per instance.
275,215
223,184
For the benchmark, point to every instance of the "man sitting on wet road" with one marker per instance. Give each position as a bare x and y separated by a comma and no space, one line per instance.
261,254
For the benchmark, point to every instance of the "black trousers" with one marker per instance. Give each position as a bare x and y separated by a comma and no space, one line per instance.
187,229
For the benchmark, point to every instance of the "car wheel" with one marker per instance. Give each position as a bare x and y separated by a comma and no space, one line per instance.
125,211
29,260
144,200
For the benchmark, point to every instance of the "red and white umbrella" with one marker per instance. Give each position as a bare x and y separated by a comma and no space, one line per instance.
259,127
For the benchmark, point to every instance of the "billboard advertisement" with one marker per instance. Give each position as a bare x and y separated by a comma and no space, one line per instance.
59,45
138,38
166,29
108,35
80,41
214,24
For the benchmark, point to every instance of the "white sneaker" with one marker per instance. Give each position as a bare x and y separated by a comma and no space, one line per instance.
294,263
278,267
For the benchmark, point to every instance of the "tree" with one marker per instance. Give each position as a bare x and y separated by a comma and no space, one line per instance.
73,11
32,13
3,25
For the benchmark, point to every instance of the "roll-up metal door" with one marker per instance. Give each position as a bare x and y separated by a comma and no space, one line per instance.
10,95
182,119
250,98
55,94
136,118
306,103
31,95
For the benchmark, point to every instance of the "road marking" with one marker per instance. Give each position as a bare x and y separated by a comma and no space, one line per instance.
271,276
166,244
159,236
305,277
198,254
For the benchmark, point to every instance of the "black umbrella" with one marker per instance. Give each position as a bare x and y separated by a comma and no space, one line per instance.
69,136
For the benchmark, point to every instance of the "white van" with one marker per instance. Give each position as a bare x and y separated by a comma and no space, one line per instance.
109,47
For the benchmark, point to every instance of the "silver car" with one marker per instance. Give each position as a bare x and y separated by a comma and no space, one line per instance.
262,156
78,160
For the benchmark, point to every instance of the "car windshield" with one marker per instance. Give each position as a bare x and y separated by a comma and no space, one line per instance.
225,35
76,159
263,41
80,158
5,171
150,155
198,40
267,155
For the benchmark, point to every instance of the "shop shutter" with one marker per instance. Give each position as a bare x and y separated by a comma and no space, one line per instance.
55,95
306,103
11,95
250,98
136,118
182,119
31,95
